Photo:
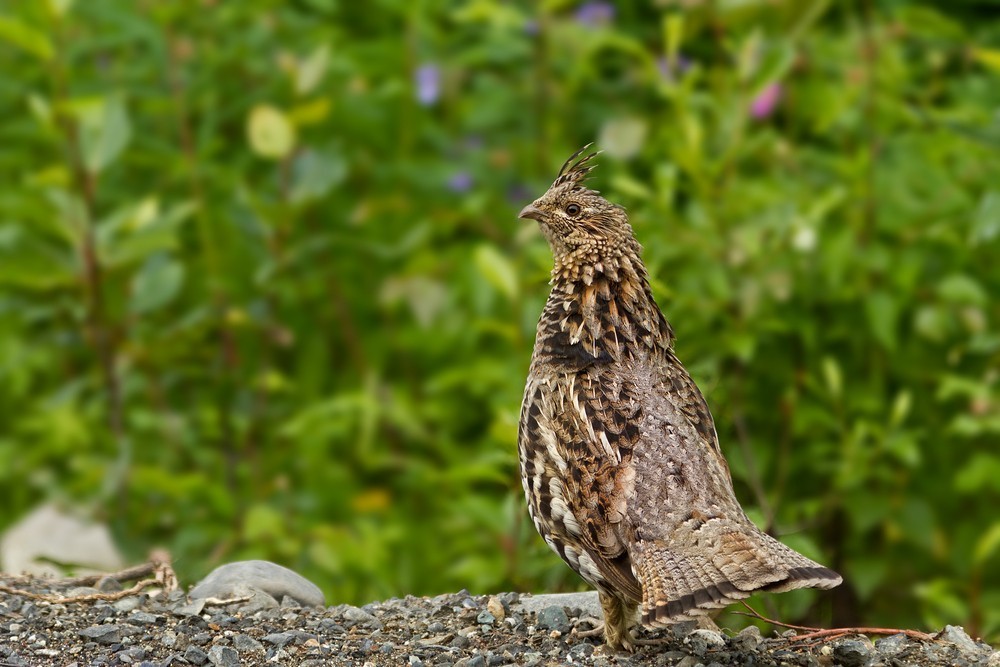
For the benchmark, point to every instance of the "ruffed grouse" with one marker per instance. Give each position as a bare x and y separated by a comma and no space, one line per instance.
619,457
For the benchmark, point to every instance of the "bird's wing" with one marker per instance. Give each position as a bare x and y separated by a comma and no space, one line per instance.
581,430
695,549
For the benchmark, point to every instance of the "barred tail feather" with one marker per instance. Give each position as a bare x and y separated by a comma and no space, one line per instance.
679,586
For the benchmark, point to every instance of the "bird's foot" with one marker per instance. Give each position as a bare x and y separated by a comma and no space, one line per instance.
612,644
596,627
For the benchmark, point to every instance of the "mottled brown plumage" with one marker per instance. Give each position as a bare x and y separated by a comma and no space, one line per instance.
620,461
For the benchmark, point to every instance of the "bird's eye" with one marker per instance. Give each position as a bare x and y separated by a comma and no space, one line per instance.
572,210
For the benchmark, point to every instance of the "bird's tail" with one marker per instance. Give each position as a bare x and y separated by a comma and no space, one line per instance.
681,582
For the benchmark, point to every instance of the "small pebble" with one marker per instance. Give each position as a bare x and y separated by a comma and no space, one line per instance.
245,643
531,659
195,655
748,639
553,618
851,653
701,641
142,618
128,604
890,646
223,656
495,607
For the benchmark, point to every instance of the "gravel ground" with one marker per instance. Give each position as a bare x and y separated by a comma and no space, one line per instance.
456,629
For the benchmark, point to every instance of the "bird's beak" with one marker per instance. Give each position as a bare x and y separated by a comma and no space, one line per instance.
530,211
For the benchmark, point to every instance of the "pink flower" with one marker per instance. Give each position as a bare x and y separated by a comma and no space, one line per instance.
766,101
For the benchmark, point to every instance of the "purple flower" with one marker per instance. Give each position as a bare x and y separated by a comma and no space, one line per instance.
460,182
427,80
766,101
671,71
595,13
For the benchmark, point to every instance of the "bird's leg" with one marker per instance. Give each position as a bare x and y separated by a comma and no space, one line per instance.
617,621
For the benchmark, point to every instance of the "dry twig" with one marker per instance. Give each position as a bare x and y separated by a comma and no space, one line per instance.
158,566
831,633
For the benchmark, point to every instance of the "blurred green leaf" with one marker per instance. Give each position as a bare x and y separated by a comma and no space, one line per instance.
26,38
986,222
310,71
957,288
988,57
497,269
315,173
156,284
105,131
882,317
987,545
270,132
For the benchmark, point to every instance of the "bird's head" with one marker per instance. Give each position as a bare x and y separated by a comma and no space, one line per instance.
573,217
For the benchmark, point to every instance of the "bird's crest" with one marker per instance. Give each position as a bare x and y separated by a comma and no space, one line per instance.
574,171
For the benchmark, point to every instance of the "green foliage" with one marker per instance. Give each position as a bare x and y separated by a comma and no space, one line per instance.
263,292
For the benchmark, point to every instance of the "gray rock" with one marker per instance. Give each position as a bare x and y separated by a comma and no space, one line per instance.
701,641
143,618
957,636
890,646
201,638
852,653
253,577
127,604
223,656
553,618
109,634
109,585
279,639
192,608
195,655
748,639
940,653
49,535
244,643
356,615
531,659
586,602
131,655
259,601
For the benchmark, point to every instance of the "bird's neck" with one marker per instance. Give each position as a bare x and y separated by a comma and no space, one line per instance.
601,309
